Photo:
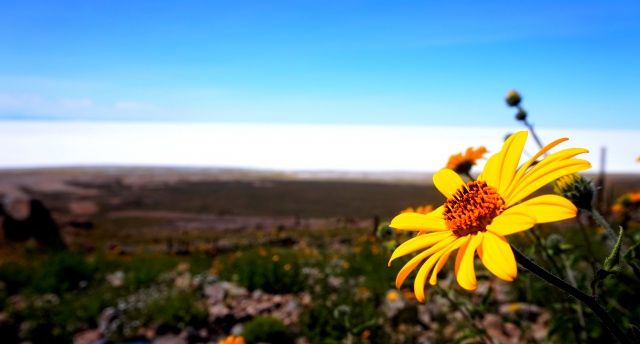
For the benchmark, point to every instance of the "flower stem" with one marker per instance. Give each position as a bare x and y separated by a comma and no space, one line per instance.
602,222
589,301
530,126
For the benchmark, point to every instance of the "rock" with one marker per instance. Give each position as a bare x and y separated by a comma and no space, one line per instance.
424,315
106,319
183,281
116,279
236,330
87,337
335,281
170,339
234,290
24,219
218,310
214,292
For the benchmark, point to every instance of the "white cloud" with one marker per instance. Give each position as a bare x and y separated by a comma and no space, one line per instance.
131,105
73,103
21,102
283,147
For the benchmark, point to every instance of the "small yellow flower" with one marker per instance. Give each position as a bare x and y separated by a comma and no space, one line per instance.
392,296
346,265
626,202
232,340
478,215
421,209
287,267
514,307
462,163
275,258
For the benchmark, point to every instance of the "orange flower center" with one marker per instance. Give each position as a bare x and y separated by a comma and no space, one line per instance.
472,208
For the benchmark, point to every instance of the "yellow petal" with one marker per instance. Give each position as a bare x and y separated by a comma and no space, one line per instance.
493,169
551,208
466,274
419,243
463,247
421,277
515,219
512,152
528,163
432,222
447,182
544,150
564,154
497,256
534,180
443,260
411,264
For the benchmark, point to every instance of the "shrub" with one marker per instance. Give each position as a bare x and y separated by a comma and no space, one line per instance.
267,330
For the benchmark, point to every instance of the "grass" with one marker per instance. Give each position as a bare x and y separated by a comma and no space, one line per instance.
337,264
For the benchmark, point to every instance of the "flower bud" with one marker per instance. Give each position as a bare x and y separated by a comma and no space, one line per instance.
577,189
521,115
513,98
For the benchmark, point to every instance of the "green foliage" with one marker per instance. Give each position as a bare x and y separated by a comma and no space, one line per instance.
172,307
15,276
354,283
61,272
267,330
144,270
272,270
612,262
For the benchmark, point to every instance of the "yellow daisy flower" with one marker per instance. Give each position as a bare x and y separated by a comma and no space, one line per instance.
626,202
478,215
232,340
463,163
421,209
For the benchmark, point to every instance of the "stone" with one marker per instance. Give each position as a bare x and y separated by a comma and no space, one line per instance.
87,337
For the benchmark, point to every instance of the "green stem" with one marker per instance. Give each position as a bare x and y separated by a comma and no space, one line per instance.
533,133
589,301
602,222
464,312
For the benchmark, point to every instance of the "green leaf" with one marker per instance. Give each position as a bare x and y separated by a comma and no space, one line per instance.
636,269
558,325
636,332
612,263
633,253
360,328
598,277
470,333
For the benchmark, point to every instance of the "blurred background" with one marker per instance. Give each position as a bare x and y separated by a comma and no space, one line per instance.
182,172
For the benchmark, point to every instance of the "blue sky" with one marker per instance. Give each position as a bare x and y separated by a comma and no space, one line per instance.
327,62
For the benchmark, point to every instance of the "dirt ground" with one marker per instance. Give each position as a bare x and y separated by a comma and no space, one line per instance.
167,206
